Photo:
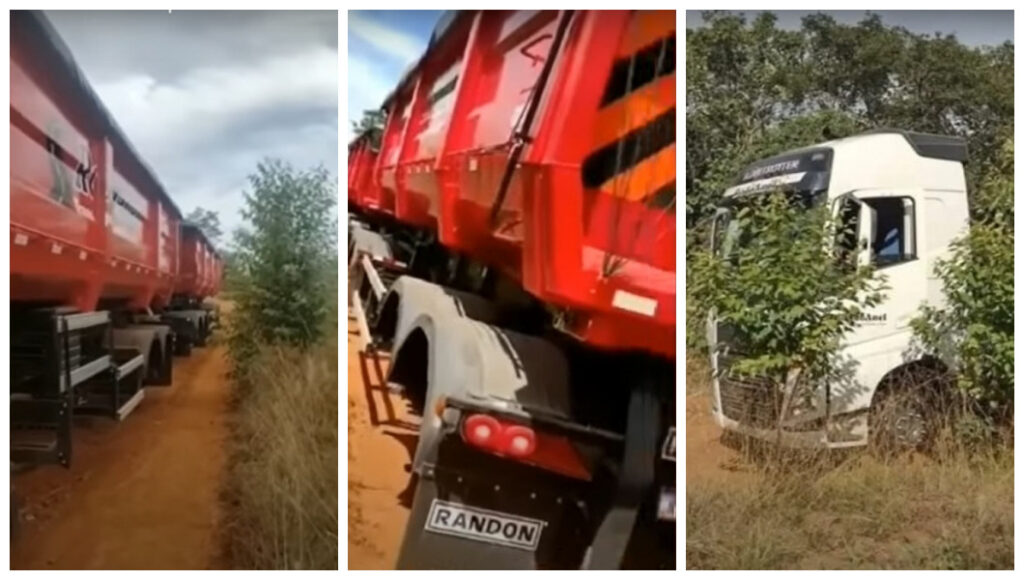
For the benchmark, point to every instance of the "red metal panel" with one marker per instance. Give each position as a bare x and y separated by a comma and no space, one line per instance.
199,267
362,161
603,251
89,222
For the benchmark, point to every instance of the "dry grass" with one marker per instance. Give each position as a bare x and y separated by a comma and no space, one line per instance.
951,509
282,494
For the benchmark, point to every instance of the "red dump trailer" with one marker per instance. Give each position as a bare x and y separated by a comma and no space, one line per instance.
106,279
518,268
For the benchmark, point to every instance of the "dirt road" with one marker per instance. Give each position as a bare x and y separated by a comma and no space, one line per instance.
142,494
707,458
381,439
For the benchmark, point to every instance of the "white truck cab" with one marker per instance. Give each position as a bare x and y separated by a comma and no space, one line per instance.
907,195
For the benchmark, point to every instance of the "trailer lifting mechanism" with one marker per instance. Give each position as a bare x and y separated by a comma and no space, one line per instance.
512,250
107,280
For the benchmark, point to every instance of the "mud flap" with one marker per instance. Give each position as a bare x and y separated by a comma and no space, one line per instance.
640,453
430,545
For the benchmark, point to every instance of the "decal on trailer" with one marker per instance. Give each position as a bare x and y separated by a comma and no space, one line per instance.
486,526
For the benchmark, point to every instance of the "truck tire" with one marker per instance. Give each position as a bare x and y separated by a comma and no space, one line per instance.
910,408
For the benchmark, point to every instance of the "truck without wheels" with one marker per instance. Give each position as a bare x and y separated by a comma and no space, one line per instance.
904,196
512,250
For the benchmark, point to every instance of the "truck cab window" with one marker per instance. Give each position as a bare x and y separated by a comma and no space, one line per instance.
894,241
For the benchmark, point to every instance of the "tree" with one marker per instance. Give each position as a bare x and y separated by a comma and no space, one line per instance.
372,122
208,221
284,256
783,290
747,79
974,329
754,90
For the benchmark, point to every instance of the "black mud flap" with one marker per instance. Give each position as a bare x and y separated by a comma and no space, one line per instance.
458,525
439,536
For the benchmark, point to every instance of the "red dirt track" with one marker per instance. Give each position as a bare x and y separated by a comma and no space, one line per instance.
141,494
381,439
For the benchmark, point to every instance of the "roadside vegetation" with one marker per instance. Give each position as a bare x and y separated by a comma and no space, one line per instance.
753,91
282,492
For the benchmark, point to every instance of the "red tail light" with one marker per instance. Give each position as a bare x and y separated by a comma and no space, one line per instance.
482,430
521,443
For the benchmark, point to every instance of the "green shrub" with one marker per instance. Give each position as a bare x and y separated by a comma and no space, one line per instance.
974,329
786,296
283,263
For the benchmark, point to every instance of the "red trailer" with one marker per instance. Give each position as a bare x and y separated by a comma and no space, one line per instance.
528,166
96,254
362,157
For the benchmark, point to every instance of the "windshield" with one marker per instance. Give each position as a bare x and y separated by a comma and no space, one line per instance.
727,232
724,232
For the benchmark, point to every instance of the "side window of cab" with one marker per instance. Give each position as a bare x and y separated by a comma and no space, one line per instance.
895,239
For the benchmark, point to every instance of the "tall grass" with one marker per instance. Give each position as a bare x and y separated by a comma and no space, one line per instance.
282,489
283,476
864,509
955,512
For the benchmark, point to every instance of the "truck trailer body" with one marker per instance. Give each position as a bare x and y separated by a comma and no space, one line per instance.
514,253
905,195
101,260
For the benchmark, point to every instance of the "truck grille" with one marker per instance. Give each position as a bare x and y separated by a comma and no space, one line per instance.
750,401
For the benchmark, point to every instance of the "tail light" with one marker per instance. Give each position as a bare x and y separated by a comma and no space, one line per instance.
524,444
482,431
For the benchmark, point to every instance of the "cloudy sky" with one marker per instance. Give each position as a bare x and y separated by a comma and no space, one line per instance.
205,95
971,27
381,44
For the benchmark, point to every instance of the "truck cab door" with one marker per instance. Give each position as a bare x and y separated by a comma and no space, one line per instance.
856,223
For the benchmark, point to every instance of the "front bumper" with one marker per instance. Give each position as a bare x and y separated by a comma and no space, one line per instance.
841,431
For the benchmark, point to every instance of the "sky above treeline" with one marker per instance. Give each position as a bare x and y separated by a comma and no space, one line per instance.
205,95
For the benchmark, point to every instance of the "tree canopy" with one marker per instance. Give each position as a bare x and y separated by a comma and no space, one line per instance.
754,89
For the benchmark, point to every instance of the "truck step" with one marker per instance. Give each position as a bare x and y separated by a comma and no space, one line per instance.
36,441
130,405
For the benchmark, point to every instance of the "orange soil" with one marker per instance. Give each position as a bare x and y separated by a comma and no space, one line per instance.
142,494
381,439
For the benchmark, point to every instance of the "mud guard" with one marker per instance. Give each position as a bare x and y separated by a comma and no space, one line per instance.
141,337
469,359
410,300
426,550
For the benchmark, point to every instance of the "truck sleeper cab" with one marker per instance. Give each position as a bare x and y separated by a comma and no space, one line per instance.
905,195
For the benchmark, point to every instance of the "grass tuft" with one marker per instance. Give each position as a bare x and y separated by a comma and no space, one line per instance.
282,491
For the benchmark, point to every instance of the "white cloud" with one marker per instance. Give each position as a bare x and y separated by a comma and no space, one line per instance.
206,131
204,96
367,88
403,47
162,118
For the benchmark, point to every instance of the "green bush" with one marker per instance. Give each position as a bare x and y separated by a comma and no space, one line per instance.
786,296
284,263
974,329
